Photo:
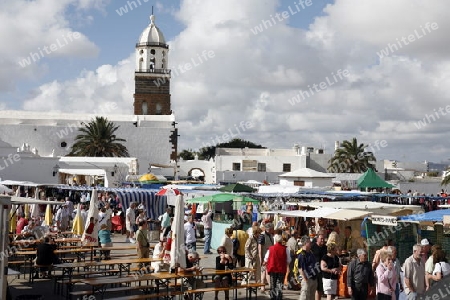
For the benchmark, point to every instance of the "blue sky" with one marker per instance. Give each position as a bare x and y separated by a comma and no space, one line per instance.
285,80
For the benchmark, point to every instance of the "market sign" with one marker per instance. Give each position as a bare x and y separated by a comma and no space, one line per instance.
384,220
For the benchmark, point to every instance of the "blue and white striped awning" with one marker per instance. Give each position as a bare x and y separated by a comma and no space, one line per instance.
155,205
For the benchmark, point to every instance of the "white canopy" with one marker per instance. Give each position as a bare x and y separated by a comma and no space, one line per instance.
21,200
21,183
324,212
87,172
374,207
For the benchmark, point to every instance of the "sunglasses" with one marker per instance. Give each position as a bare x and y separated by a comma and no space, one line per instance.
220,251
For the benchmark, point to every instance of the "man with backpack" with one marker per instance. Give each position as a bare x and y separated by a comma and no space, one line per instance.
309,269
239,239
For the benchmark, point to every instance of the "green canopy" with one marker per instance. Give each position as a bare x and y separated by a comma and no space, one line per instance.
223,197
237,188
370,179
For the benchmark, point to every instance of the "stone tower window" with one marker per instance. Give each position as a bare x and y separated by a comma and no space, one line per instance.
144,108
158,109
141,62
141,52
152,63
153,52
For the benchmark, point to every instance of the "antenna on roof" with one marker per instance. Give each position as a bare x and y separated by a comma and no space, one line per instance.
152,9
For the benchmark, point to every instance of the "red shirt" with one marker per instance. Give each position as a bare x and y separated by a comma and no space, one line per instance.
277,262
21,223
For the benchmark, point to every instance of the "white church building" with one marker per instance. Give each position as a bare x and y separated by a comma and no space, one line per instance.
40,139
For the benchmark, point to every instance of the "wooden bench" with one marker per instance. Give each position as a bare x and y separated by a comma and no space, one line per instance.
149,296
59,283
16,265
118,255
115,290
251,288
35,270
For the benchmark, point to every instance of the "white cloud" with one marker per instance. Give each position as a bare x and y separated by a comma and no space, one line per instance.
29,29
90,92
252,77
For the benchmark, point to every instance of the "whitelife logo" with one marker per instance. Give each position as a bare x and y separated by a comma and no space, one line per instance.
48,49
280,17
316,88
405,41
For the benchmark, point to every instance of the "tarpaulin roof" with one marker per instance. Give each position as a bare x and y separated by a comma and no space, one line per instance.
433,216
325,212
371,180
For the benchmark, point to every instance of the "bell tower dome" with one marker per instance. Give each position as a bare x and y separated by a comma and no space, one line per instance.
152,76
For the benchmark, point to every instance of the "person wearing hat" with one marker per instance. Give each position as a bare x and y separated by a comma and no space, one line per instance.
426,247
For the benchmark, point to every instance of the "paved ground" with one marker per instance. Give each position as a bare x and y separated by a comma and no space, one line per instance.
44,287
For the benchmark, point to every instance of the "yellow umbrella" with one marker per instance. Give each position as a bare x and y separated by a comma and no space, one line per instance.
148,177
13,219
48,216
78,224
27,211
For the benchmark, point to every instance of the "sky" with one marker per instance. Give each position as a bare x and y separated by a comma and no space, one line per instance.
278,73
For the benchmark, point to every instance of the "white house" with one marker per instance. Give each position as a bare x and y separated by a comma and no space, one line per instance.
233,165
306,177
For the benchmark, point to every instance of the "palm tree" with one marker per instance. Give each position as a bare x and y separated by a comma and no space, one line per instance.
446,179
97,139
351,158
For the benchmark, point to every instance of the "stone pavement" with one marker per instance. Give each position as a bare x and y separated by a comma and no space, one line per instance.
44,287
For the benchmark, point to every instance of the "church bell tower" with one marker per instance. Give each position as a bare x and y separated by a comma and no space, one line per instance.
152,76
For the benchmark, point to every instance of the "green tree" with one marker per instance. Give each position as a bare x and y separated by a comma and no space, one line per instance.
208,152
98,139
446,179
187,154
350,157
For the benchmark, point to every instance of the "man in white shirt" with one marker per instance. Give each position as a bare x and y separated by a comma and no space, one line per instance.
62,218
189,234
130,220
207,225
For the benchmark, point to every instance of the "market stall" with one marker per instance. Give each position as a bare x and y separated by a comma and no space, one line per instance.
229,209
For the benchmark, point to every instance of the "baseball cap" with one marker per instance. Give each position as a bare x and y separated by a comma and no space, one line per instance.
425,242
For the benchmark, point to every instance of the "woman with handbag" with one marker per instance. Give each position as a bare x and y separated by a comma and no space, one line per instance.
441,268
386,277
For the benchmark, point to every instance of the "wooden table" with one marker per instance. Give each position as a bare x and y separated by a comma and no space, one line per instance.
238,273
124,265
28,256
99,285
71,241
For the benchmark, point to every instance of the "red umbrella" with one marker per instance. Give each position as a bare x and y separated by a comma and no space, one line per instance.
168,192
171,194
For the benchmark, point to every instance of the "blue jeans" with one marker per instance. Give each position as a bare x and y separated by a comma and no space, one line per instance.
208,236
397,291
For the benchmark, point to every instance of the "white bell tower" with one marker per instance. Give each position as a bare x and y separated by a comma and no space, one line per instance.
152,76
